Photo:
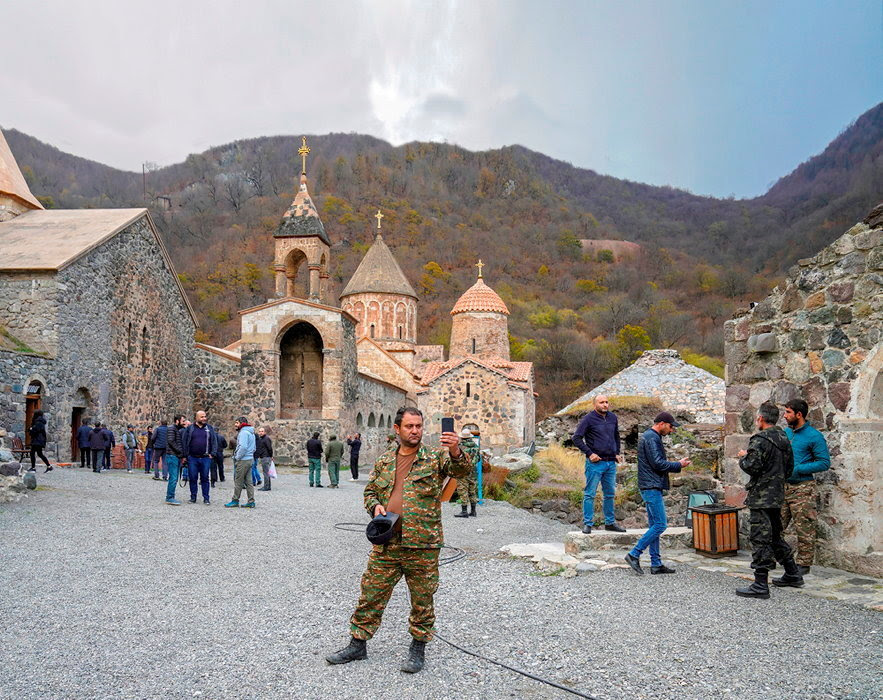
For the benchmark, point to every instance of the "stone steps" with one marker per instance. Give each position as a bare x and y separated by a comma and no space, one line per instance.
576,543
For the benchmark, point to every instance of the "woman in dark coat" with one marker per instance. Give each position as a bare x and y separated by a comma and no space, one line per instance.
38,441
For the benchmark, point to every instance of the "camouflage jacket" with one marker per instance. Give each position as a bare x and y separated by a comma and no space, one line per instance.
421,524
769,463
469,447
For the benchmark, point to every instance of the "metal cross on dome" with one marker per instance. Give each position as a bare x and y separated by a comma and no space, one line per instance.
479,265
303,151
378,216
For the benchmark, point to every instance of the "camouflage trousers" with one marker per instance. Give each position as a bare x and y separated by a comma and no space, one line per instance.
386,565
800,508
767,544
467,488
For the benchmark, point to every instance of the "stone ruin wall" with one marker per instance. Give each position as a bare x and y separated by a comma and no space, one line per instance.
216,389
28,308
817,336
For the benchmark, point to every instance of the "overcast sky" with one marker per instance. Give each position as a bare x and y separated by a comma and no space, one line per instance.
715,96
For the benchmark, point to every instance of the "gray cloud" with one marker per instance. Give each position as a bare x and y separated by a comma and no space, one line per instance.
648,92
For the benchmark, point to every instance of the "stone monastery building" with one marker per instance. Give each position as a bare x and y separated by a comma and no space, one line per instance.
71,282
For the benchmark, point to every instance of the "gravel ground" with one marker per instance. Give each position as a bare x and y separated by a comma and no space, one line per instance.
107,592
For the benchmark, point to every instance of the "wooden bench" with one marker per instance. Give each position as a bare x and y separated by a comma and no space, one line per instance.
18,448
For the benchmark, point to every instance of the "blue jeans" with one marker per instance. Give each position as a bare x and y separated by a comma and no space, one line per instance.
173,464
657,521
603,472
198,470
255,474
148,456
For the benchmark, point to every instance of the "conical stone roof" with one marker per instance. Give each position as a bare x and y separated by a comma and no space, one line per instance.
302,218
12,182
379,272
480,297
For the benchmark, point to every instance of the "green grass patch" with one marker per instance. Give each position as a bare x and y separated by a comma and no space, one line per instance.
712,365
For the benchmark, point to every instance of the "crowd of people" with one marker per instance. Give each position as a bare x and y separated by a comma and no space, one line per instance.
781,487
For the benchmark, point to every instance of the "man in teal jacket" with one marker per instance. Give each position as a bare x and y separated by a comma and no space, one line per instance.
810,456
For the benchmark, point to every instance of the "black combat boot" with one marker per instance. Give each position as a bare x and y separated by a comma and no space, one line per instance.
759,589
792,576
462,513
415,657
472,512
356,650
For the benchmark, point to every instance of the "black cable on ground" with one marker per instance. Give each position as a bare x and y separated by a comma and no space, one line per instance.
516,670
457,556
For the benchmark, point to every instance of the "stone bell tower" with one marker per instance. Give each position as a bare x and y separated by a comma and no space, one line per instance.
301,242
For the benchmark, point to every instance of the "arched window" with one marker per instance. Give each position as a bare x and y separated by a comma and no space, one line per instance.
145,349
359,421
389,422
372,421
372,330
468,390
401,333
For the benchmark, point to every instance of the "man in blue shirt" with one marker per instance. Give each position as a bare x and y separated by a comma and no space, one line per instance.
597,437
199,443
810,456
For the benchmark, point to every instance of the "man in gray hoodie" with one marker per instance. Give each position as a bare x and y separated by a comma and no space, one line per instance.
243,456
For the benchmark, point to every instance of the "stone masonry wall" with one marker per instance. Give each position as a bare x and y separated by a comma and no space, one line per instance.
817,336
217,389
136,376
28,306
490,331
16,372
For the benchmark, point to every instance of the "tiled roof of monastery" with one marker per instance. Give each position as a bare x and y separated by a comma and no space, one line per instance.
379,271
12,182
480,297
302,218
518,372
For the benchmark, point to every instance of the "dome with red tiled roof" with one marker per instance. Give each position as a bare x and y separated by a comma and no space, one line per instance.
480,297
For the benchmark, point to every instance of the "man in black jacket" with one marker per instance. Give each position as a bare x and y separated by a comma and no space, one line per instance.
218,458
199,444
314,457
83,443
653,471
173,455
769,461
597,437
355,443
264,452
98,440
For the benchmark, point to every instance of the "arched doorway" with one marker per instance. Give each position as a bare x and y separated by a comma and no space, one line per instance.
80,405
300,370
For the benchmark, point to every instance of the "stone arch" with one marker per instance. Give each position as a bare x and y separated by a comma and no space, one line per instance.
359,312
372,421
387,319
867,394
389,422
359,421
297,274
402,332
301,365
372,319
413,321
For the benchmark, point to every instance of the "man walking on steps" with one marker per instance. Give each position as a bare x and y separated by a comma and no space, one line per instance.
597,437
467,487
769,461
407,482
243,456
653,471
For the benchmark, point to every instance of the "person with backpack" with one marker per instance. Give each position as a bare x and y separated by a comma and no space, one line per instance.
130,444
37,432
160,443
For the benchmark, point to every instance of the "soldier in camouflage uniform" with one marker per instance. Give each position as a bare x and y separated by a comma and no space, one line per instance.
467,487
408,479
768,461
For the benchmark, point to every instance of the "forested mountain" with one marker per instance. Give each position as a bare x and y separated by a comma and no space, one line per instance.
579,317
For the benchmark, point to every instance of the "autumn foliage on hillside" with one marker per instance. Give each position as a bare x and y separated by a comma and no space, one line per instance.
578,316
